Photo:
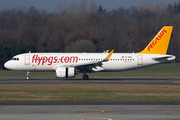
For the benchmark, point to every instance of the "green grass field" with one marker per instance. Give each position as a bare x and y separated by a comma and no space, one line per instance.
94,91
157,71
89,92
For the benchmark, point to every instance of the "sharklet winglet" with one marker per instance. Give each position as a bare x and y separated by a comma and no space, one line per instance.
109,56
107,51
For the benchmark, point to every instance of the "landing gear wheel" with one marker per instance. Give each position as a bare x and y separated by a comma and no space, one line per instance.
27,76
85,77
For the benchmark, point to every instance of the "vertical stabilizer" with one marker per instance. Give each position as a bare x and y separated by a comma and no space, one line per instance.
160,42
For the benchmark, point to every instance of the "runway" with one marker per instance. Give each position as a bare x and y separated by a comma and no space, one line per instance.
92,80
114,111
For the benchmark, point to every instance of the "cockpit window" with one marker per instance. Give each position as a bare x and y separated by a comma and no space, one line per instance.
16,59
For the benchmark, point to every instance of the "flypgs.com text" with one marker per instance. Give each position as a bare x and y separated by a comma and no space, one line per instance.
50,60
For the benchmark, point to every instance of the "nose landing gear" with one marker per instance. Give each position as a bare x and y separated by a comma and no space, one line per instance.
27,76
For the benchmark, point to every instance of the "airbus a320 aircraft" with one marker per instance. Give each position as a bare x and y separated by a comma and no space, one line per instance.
69,64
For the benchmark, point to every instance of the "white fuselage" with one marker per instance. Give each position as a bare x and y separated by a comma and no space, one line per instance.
117,62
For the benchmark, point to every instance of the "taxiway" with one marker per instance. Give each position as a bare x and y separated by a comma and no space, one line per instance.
99,80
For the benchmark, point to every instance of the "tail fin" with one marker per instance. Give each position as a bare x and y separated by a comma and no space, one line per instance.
160,42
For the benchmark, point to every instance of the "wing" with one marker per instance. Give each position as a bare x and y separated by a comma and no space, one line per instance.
87,67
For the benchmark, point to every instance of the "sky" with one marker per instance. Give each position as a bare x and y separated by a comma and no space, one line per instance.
51,5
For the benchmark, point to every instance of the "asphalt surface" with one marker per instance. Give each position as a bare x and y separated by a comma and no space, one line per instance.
89,112
94,103
99,80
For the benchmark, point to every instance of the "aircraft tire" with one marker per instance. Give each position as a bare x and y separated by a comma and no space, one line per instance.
85,77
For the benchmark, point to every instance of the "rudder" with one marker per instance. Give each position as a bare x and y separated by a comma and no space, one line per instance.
160,42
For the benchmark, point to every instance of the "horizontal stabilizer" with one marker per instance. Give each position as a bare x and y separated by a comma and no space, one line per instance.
165,58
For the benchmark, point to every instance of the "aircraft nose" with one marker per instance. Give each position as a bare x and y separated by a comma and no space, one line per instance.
7,65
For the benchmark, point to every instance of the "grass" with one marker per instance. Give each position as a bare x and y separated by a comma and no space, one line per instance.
94,91
89,92
157,71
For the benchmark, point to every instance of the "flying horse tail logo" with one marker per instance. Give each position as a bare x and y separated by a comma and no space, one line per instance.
156,39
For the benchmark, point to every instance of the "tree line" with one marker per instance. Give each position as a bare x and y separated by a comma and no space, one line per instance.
86,28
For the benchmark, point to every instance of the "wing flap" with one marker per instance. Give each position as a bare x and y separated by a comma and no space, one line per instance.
92,63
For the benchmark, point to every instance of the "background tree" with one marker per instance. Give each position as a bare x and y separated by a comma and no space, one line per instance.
81,46
86,28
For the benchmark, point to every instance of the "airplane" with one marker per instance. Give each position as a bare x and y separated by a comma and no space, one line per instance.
67,65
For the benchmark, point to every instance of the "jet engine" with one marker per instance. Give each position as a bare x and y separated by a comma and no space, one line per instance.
65,72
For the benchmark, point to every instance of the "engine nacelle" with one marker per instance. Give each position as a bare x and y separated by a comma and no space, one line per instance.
65,72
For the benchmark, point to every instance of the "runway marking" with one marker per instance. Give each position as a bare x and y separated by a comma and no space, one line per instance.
102,118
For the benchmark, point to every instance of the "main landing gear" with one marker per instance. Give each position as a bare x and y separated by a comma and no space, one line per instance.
85,77
27,76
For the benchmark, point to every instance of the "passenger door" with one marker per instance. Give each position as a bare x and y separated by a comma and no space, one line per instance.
139,60
27,60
